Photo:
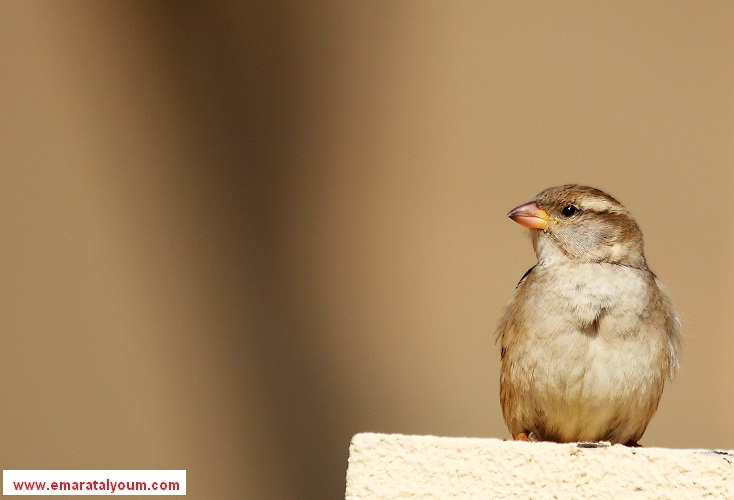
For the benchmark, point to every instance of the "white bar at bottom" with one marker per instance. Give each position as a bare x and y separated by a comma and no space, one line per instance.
94,482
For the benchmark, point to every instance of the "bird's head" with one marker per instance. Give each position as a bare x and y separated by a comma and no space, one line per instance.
581,224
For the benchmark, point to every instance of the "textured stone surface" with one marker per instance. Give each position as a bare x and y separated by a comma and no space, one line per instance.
399,466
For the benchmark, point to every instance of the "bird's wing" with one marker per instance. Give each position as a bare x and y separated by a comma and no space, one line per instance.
525,276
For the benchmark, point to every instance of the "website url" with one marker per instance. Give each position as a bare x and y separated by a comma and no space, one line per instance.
106,486
94,482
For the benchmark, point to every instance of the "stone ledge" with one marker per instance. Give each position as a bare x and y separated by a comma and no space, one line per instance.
399,466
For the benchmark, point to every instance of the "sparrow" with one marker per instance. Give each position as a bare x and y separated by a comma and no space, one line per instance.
591,334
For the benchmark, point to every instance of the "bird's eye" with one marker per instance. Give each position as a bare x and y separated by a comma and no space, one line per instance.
569,210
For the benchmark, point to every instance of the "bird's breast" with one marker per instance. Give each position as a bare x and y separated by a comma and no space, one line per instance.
594,299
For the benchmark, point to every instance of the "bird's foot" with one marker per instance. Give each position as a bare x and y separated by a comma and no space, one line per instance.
633,444
525,436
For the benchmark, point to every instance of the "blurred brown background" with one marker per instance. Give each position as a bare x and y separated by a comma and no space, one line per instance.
235,235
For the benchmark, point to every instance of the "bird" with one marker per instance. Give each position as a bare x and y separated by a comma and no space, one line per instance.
591,335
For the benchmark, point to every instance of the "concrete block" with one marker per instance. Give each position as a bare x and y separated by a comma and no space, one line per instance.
405,467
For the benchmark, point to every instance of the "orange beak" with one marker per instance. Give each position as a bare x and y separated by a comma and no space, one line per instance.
531,216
